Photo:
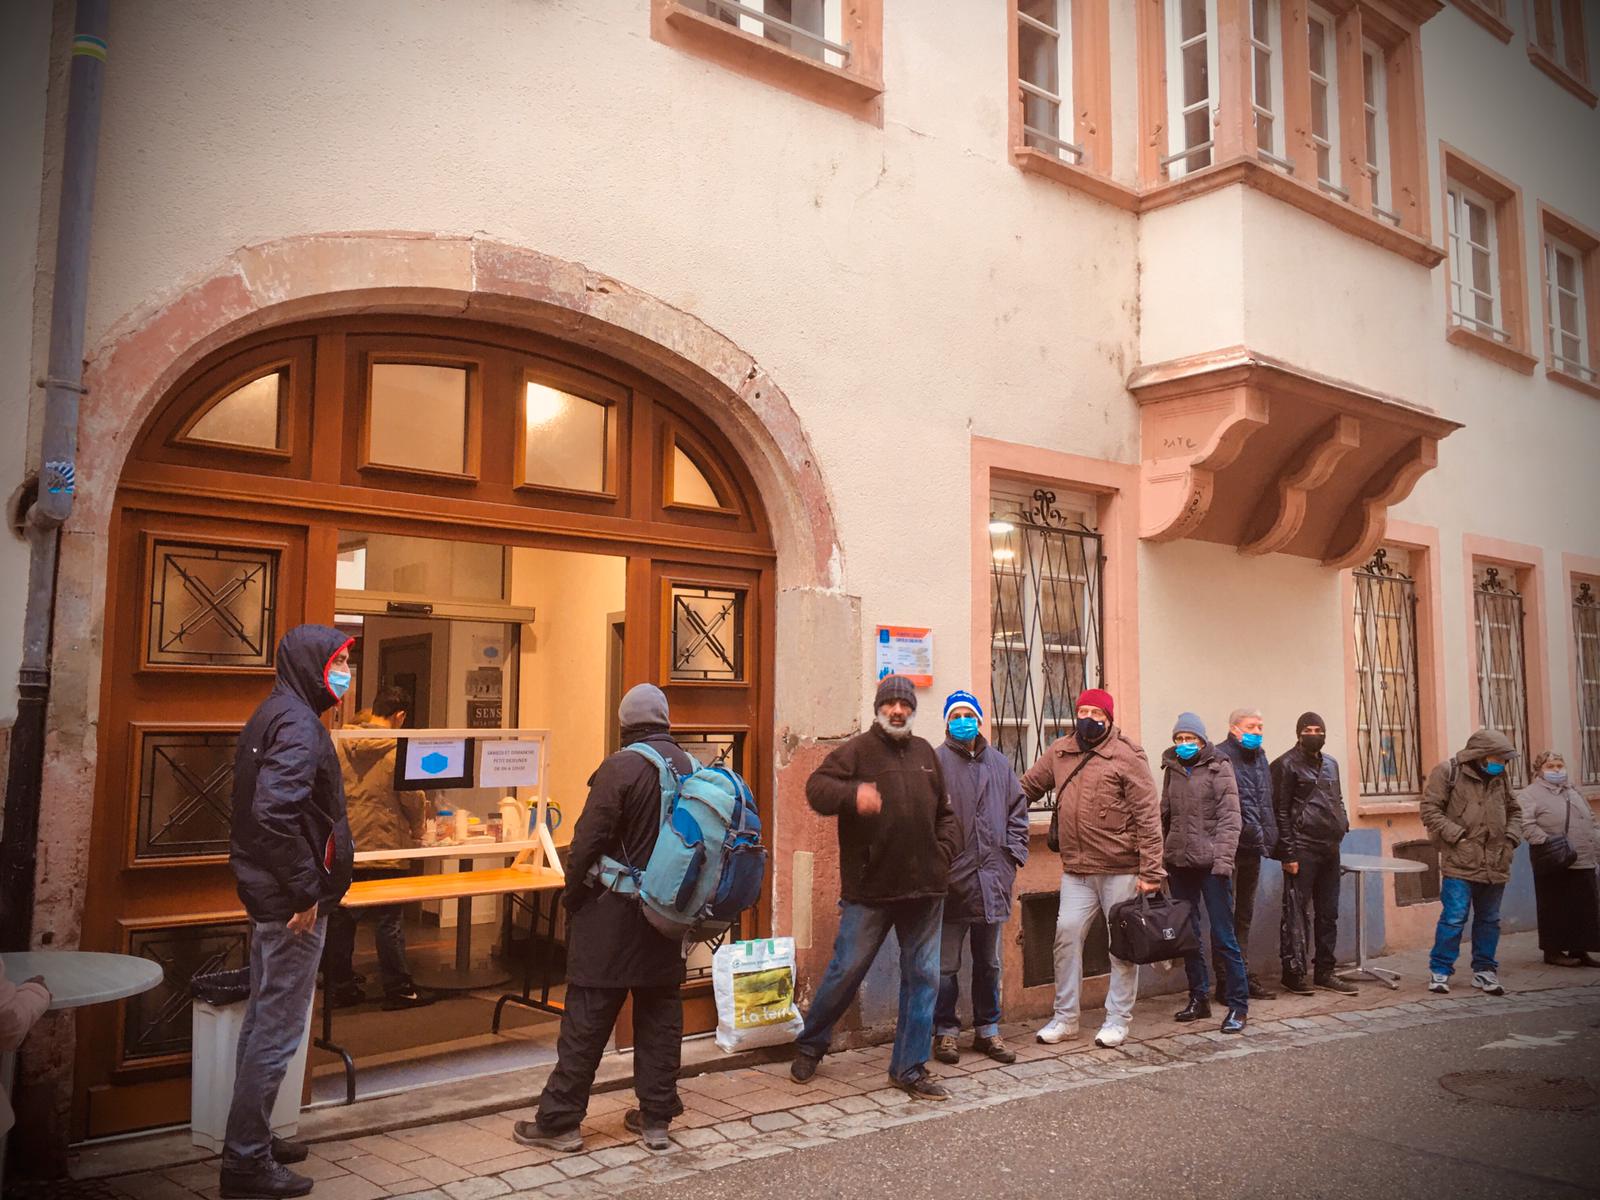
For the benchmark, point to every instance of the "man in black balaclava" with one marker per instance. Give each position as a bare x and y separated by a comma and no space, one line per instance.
1311,824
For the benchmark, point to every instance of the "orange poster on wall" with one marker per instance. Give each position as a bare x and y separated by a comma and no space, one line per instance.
906,650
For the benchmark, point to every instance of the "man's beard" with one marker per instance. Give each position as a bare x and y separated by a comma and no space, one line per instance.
899,732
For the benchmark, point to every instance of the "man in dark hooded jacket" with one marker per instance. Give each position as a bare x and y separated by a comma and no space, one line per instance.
291,855
613,950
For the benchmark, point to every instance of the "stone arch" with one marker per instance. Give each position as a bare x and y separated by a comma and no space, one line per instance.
137,362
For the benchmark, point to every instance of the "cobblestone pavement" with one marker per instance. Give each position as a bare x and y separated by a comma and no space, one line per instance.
757,1112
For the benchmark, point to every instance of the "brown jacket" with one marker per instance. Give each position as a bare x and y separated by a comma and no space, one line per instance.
21,1004
1110,815
380,817
1473,819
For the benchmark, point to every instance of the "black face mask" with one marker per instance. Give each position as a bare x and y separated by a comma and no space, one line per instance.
1090,731
1312,743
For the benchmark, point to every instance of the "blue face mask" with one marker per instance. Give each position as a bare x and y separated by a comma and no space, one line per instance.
964,729
1250,741
1492,769
339,683
1186,750
1559,778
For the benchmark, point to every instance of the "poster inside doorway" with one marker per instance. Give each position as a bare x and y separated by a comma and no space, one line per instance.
906,650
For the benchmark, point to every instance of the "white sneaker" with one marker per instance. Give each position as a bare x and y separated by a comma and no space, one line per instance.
1439,983
1111,1036
1489,982
1057,1031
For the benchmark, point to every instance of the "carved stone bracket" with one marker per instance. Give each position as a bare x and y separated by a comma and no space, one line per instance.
1249,451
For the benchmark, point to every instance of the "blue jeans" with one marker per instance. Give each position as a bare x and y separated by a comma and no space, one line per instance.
862,930
1195,884
1456,896
283,977
985,942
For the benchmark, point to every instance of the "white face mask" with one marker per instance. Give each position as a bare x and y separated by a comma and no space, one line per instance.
1558,778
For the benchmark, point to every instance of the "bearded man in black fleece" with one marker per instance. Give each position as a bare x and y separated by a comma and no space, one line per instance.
897,836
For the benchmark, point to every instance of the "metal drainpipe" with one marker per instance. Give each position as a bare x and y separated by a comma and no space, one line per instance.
59,444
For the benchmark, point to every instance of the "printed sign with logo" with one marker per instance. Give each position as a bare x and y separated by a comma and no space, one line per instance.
906,650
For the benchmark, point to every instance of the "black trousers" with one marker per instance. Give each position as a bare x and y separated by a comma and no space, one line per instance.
1310,899
1246,874
586,1024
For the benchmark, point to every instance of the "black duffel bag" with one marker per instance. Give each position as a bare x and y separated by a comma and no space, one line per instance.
221,987
1151,928
1556,853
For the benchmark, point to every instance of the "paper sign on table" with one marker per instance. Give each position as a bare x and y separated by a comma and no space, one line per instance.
508,764
906,650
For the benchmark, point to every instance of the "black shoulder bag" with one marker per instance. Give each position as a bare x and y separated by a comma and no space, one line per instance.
1555,853
1053,838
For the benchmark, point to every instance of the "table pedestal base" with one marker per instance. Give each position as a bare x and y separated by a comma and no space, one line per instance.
1389,979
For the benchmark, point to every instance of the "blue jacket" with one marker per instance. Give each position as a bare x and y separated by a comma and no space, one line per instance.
291,845
992,814
1258,833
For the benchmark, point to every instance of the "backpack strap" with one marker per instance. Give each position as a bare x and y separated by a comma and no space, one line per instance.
616,874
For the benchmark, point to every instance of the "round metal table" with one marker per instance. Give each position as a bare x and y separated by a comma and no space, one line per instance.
77,978
1362,865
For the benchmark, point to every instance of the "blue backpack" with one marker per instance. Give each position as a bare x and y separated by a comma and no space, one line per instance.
708,863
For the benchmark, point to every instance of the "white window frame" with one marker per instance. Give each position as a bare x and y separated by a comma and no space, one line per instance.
1375,107
1461,286
1183,159
1268,41
1330,90
1058,142
1554,247
825,44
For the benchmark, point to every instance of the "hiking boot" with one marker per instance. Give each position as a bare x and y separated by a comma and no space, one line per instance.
1488,982
406,997
1260,991
529,1133
652,1133
1057,1031
263,1183
1438,983
923,1086
1329,982
1295,984
286,1151
804,1066
944,1049
1234,1021
1197,1008
996,1048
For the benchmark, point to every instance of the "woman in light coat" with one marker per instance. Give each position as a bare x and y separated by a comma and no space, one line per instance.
1569,900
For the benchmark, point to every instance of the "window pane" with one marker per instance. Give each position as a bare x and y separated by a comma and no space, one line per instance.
1477,224
211,606
707,634
1191,19
1263,63
1258,18
1196,76
1569,311
565,440
1566,272
185,794
1319,111
1196,130
432,568
689,483
160,1022
1037,58
1319,49
246,416
417,417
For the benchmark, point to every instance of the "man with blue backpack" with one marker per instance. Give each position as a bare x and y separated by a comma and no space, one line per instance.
897,837
613,948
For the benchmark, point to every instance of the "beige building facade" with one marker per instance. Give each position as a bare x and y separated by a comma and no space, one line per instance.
1217,353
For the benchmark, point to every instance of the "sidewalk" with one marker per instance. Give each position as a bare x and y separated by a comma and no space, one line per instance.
754,1111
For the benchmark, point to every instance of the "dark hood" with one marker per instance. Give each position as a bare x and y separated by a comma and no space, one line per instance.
1483,743
303,656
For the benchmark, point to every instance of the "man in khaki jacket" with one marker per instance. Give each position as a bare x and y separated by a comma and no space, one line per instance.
1108,817
1473,817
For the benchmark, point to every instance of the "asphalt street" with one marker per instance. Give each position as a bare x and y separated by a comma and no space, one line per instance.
1364,1116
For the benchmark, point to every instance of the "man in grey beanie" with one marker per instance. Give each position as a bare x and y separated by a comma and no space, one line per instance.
612,950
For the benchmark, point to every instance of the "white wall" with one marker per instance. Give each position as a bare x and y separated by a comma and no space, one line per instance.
24,69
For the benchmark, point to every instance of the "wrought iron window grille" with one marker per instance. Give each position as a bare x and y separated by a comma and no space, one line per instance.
1586,634
1388,700
1046,623
1502,665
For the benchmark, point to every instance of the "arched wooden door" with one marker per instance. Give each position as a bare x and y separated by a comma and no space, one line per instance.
230,519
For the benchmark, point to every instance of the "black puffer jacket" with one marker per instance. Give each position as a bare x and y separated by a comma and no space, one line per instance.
1252,771
905,850
610,942
1311,815
291,844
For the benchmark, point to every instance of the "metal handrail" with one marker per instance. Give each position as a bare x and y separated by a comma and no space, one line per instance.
1384,212
1285,163
1076,151
1034,22
1034,89
1573,367
1334,188
755,14
1183,154
1462,318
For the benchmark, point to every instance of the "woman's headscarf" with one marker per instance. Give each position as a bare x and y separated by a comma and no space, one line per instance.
1545,756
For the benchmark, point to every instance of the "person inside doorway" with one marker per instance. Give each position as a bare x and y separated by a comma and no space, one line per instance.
382,817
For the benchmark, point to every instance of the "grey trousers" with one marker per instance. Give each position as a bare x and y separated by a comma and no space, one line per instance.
283,976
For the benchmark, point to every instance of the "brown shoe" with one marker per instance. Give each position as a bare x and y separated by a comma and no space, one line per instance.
944,1049
996,1048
